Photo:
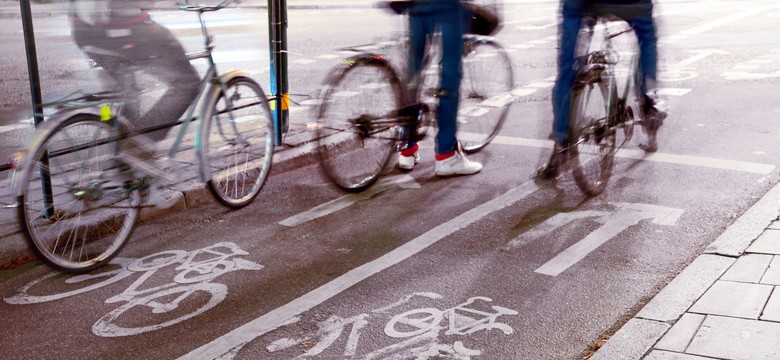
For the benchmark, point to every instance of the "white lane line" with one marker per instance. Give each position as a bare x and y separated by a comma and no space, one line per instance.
700,161
672,91
9,128
627,216
279,316
403,181
714,24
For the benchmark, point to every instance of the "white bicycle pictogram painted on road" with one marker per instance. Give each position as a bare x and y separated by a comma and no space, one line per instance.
195,270
420,330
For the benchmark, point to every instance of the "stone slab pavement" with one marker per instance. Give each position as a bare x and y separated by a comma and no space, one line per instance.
724,305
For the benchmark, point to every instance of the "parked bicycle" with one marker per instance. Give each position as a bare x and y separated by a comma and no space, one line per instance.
78,202
365,106
601,112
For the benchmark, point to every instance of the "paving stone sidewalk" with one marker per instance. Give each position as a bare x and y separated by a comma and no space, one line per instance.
724,305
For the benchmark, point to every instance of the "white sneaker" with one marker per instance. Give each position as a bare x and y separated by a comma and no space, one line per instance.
457,164
408,162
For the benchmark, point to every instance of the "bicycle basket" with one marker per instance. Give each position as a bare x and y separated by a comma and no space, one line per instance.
482,19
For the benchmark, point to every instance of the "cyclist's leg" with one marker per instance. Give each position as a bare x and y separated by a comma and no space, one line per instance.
561,97
451,27
569,31
421,27
163,57
450,159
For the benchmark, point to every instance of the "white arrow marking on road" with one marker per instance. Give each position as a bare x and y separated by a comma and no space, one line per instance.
626,215
278,317
403,181
550,225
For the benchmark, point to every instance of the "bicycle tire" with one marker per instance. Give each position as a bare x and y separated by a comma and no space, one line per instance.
592,138
357,123
85,225
236,142
485,93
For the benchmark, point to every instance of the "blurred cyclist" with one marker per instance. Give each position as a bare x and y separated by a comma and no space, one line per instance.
639,15
426,17
121,37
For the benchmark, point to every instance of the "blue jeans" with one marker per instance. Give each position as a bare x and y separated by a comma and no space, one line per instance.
446,16
638,15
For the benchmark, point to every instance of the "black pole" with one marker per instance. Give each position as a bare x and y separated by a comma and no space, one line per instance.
35,91
277,26
32,60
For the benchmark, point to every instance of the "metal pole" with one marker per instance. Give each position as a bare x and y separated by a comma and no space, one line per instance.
277,26
32,60
35,91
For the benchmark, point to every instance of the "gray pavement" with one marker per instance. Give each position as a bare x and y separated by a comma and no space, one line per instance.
724,305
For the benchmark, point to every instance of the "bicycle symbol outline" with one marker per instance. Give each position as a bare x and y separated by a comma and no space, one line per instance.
194,275
420,342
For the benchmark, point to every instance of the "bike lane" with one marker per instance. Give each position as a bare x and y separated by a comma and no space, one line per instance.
470,269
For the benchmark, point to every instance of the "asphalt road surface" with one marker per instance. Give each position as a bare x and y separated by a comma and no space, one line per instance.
490,266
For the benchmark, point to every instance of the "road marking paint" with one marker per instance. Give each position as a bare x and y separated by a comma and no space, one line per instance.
681,71
743,71
537,27
550,225
541,84
625,216
714,24
277,317
14,127
672,91
699,161
303,61
403,181
523,91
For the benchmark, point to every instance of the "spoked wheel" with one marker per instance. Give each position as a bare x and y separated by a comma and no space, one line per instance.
76,209
237,142
592,139
357,124
485,93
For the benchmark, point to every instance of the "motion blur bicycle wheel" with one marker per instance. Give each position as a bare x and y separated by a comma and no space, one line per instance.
485,93
74,209
237,142
357,122
592,139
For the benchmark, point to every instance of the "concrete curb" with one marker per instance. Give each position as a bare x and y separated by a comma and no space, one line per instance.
666,308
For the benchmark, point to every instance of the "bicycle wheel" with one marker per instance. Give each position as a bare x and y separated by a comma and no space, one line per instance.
74,209
236,142
592,139
357,123
162,308
485,93
56,286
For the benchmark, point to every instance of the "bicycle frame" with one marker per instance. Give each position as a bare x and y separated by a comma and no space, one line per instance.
619,113
108,104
